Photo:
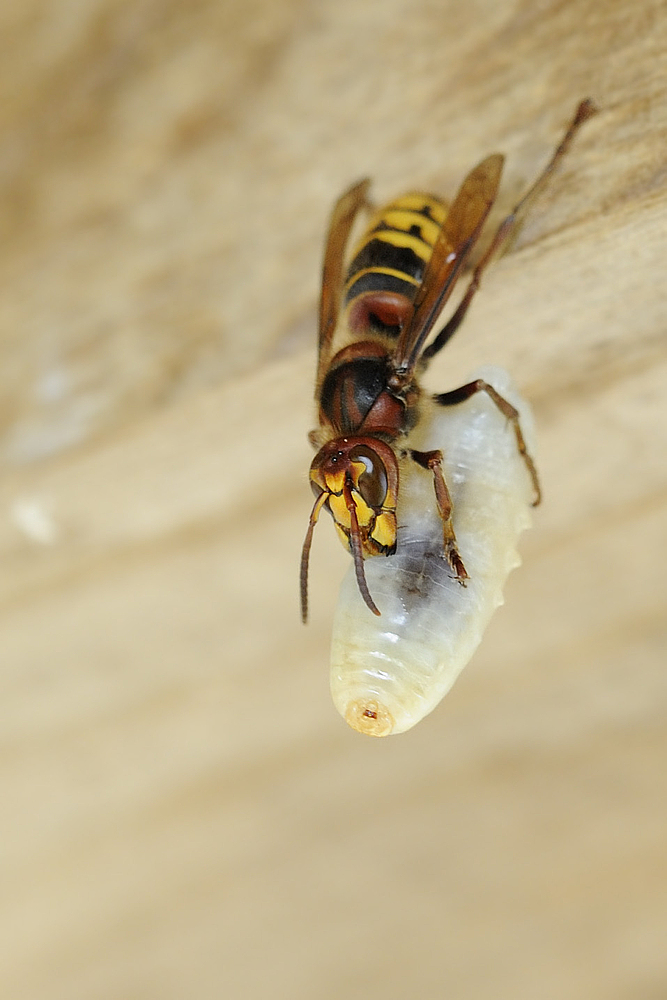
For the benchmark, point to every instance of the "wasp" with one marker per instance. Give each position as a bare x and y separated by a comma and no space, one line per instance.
381,310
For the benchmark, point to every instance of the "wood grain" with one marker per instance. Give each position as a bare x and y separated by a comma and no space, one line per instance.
184,812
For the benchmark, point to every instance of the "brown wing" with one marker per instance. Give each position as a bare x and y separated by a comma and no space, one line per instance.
456,239
342,220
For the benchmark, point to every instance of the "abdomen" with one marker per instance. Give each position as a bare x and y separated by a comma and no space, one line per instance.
389,262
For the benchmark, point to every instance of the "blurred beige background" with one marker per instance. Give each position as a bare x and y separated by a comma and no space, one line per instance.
183,812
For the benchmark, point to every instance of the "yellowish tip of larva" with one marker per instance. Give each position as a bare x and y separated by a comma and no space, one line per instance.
369,717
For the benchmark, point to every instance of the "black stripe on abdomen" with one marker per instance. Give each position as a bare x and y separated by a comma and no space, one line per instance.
381,253
379,281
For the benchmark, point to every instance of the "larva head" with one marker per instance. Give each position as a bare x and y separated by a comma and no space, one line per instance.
356,478
369,717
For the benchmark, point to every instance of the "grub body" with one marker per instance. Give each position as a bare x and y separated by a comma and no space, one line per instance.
388,672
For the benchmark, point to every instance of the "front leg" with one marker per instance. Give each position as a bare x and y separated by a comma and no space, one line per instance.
433,460
479,385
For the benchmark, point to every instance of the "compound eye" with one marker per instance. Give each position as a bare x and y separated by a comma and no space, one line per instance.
372,483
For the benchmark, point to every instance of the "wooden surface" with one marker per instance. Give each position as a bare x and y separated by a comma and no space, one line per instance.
184,814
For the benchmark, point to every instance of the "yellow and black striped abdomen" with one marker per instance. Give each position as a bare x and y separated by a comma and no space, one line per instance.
395,249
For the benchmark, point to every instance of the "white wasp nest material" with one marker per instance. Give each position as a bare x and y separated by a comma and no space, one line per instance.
387,673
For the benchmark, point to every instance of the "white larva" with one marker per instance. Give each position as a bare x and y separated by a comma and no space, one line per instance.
387,673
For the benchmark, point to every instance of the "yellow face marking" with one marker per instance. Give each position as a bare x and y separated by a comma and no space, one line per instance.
357,469
338,508
383,526
384,531
334,481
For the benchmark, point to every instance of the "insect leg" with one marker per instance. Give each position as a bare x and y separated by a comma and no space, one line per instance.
507,228
433,460
479,385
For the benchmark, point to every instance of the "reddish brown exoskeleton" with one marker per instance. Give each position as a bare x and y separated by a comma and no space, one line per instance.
383,308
